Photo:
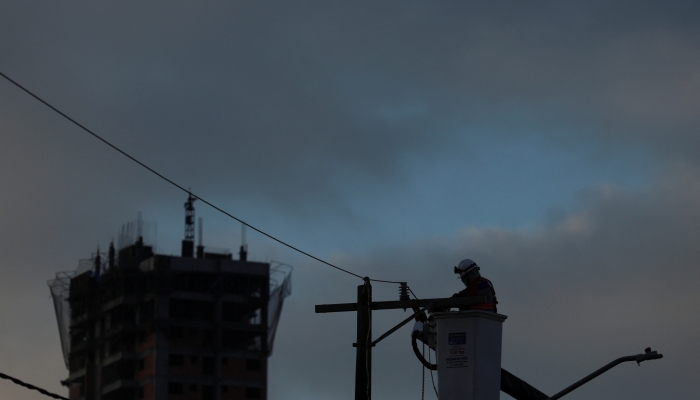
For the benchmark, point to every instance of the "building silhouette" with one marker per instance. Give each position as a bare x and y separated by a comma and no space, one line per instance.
140,325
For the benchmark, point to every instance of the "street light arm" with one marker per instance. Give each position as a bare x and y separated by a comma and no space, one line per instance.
647,355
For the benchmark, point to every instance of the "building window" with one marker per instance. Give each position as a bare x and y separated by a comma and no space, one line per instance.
207,392
177,332
114,347
176,360
208,337
175,388
253,364
252,393
208,365
146,311
192,310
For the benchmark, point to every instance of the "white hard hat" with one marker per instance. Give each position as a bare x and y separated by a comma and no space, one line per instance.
466,266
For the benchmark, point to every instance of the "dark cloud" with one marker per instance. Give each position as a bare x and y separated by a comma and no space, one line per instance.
280,99
289,107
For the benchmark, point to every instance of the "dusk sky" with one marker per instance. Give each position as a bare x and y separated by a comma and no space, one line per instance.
555,143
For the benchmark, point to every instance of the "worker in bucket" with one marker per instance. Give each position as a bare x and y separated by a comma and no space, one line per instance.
476,285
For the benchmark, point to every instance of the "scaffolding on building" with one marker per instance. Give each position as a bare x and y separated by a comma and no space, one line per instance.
124,314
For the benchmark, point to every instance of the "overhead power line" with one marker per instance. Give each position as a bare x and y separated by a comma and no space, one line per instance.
379,280
28,386
158,174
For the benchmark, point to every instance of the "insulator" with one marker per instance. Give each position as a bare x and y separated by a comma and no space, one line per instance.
403,292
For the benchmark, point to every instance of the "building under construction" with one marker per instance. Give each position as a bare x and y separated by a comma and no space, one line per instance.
139,325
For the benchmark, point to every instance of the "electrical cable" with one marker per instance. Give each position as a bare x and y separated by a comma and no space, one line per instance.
28,386
422,387
379,280
431,375
179,186
414,344
429,360
172,182
421,358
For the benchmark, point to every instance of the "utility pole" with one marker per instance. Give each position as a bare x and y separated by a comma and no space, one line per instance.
363,363
364,344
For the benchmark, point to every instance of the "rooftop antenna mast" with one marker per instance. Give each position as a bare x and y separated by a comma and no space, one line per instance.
188,243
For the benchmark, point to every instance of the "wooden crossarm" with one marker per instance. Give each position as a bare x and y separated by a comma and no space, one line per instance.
390,305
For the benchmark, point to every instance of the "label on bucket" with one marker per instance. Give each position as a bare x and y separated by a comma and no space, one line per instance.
456,350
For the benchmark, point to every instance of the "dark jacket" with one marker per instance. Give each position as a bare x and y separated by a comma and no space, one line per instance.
479,287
